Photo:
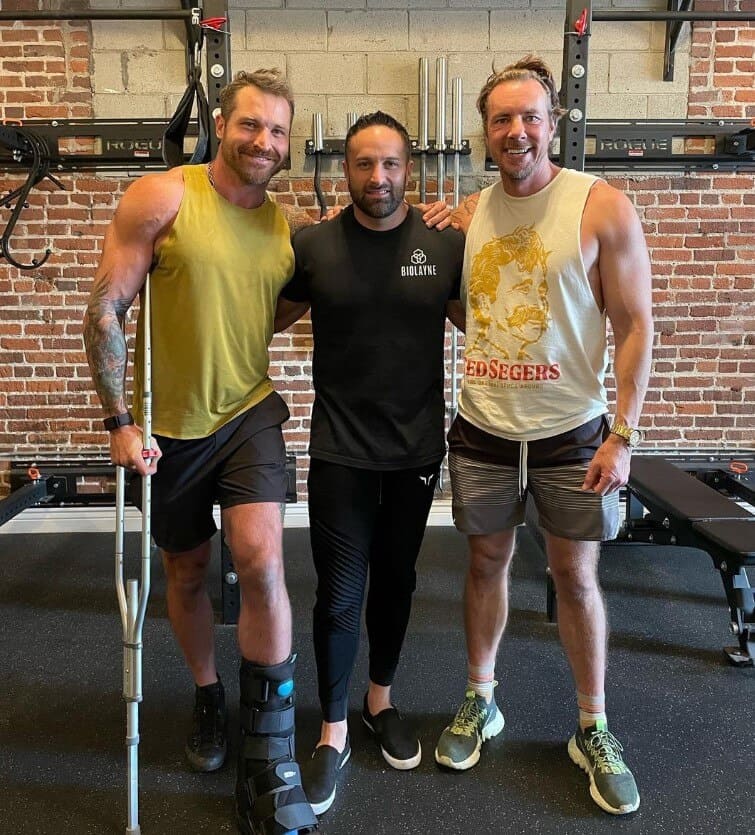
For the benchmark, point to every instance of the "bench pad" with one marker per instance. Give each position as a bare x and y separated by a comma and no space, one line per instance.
679,493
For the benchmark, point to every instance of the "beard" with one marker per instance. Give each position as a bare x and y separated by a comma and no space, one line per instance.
235,157
519,173
381,206
516,173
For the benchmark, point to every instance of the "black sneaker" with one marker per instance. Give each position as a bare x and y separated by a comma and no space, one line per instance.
206,744
319,775
398,741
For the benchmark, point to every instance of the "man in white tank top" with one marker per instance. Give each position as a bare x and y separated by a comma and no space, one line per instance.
551,255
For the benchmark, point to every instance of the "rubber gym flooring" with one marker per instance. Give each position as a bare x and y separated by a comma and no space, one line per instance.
684,715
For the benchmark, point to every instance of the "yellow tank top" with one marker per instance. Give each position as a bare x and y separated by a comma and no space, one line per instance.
214,288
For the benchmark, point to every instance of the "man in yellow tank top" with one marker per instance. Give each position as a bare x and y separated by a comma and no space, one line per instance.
551,254
218,250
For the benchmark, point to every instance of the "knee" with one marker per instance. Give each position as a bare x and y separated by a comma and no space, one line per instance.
259,564
399,584
488,560
338,618
578,582
186,573
338,607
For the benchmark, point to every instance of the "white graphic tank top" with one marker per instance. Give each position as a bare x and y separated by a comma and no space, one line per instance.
535,357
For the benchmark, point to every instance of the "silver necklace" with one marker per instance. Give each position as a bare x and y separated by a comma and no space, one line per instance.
210,176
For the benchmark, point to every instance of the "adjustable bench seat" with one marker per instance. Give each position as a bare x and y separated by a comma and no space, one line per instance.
678,493
735,537
683,510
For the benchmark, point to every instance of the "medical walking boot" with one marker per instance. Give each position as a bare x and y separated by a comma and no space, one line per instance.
269,795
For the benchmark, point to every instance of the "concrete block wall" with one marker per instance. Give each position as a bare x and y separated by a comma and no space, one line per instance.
358,55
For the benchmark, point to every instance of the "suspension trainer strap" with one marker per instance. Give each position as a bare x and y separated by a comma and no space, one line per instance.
175,133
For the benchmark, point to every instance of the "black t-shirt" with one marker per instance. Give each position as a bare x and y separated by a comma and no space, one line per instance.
378,318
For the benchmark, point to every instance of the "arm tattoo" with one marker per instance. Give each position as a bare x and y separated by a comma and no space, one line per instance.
469,205
106,347
464,212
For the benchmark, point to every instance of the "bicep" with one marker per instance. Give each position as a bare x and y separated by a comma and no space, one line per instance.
129,243
624,266
123,266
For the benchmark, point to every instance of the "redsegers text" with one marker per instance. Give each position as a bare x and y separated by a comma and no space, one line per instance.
496,370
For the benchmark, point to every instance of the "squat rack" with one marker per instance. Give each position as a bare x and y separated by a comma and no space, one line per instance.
207,26
642,144
121,144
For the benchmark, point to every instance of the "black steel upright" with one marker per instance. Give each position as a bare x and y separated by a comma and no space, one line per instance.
217,53
574,84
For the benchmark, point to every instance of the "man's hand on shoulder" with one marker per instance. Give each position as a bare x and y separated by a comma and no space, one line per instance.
436,214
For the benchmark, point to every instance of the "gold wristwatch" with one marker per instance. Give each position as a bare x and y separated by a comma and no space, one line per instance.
632,436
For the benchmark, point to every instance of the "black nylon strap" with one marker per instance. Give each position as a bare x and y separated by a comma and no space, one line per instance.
267,748
256,688
175,132
267,721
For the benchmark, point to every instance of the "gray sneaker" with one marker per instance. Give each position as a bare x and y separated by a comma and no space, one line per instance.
475,722
612,786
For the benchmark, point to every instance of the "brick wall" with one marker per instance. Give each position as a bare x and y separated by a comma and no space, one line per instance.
352,56
700,229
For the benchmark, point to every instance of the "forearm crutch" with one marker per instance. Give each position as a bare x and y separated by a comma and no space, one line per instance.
132,597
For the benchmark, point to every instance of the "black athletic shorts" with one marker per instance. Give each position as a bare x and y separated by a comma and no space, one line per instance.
244,462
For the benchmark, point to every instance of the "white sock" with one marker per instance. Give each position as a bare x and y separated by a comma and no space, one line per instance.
481,680
592,711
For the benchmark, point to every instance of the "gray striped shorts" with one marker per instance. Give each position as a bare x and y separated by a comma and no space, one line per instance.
488,498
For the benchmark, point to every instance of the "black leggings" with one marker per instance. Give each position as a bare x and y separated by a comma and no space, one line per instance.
362,520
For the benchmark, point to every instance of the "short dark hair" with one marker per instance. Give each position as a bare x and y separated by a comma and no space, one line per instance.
271,81
529,67
369,120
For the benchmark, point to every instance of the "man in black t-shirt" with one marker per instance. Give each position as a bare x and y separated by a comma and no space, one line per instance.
380,285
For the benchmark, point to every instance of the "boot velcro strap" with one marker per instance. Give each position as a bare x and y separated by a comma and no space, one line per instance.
267,747
256,688
267,721
278,801
277,777
291,817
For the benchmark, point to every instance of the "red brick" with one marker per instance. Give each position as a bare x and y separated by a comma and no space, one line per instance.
724,36
24,96
735,51
19,35
726,112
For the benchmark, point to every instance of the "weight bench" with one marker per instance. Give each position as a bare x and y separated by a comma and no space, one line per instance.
683,510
